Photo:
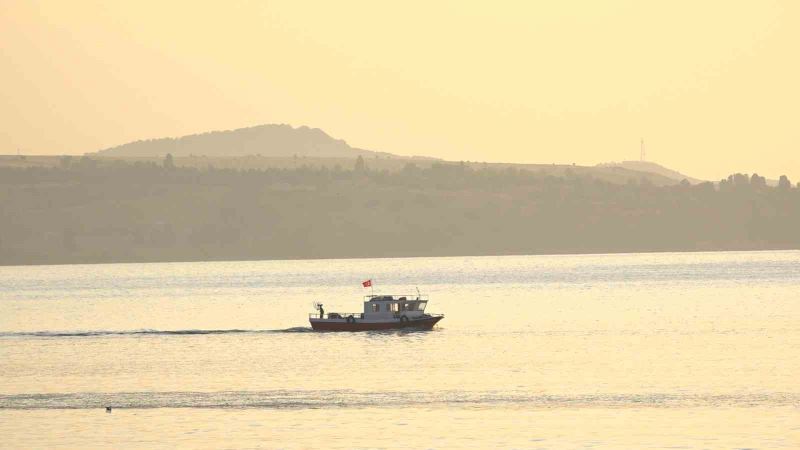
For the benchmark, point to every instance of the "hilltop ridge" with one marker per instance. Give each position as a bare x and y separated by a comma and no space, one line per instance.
272,145
265,140
651,167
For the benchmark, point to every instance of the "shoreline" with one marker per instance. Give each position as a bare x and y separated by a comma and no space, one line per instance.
399,256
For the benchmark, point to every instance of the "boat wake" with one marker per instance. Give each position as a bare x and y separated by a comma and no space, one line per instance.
94,333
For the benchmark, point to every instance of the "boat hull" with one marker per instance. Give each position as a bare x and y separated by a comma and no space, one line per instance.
425,323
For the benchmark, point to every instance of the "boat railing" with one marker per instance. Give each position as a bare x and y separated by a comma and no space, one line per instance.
400,297
335,315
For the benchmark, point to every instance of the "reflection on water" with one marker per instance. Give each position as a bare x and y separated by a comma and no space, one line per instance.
617,351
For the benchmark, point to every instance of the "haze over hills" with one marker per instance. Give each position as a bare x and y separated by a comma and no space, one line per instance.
265,140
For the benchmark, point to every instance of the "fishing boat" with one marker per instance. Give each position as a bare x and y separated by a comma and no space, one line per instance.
381,312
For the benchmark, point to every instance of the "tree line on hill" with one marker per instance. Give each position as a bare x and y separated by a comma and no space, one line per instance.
85,212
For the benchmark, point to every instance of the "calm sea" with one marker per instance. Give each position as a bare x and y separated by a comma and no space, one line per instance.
670,350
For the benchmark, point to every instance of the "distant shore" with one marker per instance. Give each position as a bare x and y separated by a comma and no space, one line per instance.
399,256
88,211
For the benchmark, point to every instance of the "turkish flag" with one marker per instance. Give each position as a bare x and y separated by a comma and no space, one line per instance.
367,283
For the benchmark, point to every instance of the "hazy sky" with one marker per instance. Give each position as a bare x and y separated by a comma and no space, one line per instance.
712,86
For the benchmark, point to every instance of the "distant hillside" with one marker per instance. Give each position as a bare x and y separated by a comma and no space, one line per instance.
281,145
265,140
85,210
651,167
379,162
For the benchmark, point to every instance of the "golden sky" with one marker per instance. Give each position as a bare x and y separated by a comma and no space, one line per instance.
712,86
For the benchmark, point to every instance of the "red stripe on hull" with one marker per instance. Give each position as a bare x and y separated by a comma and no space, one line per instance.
422,324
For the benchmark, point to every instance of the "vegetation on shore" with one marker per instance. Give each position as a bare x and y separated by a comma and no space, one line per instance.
84,212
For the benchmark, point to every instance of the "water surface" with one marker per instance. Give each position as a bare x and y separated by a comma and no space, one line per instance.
671,350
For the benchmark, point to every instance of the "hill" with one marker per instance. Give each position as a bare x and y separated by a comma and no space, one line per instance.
651,167
283,146
111,210
266,140
379,162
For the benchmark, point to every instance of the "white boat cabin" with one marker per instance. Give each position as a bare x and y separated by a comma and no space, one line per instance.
394,306
388,307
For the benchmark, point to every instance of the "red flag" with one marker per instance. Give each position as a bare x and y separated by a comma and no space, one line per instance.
367,283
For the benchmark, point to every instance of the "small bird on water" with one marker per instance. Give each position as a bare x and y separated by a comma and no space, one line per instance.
108,409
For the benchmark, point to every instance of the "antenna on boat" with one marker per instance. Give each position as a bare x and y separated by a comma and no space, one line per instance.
418,295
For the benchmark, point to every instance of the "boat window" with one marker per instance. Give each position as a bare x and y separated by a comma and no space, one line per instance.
376,307
395,307
387,306
421,306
